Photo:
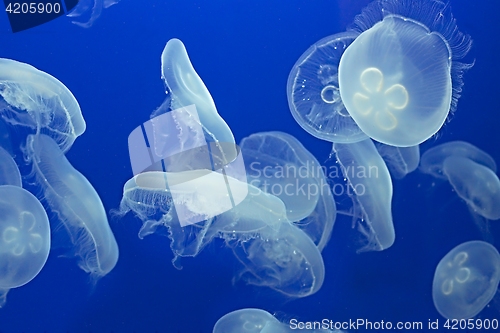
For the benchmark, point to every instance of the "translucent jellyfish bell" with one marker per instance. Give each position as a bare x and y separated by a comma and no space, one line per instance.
280,165
285,260
371,184
37,100
151,201
313,91
476,184
24,238
249,321
396,79
466,280
9,172
186,88
258,321
70,195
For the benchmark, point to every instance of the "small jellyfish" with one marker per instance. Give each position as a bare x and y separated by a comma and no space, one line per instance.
37,100
432,160
9,172
84,6
313,91
279,164
466,280
400,160
371,183
399,78
285,260
70,195
24,238
476,184
259,321
249,321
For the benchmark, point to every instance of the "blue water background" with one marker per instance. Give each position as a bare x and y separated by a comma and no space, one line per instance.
243,51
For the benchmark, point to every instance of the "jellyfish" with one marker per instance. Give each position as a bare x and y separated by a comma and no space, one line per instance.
24,238
70,195
279,164
432,160
38,101
466,280
371,183
400,160
313,91
84,6
259,321
148,197
478,185
186,88
285,260
399,79
9,172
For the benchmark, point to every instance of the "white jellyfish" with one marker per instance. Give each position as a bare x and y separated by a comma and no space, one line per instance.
399,78
24,238
258,321
478,185
313,91
371,183
279,164
38,101
70,195
466,280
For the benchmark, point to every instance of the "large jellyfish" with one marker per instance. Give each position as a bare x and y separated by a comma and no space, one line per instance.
370,180
24,238
466,280
259,321
36,100
9,172
70,195
95,8
151,201
313,91
399,78
279,164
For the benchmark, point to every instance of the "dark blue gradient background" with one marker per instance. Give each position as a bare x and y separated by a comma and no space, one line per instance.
243,51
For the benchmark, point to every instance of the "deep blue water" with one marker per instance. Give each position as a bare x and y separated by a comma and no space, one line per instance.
243,51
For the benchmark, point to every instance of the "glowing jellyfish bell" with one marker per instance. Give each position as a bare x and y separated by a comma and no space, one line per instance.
399,79
466,280
24,238
70,195
313,91
36,100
